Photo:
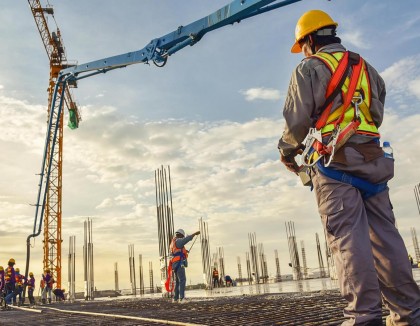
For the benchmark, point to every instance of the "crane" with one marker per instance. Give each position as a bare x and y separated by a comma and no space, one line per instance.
54,46
157,51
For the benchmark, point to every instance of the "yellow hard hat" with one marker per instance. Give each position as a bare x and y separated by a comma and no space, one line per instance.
1,268
308,23
31,274
11,261
17,269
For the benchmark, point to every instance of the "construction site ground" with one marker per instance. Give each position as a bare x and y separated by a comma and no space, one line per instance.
314,308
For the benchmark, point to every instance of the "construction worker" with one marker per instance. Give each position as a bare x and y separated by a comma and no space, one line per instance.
9,282
48,285
43,293
31,287
19,282
369,253
59,294
215,277
2,290
179,262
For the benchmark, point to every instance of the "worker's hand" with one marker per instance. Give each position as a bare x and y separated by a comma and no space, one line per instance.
196,233
289,160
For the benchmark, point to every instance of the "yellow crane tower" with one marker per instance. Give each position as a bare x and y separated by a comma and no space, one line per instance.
52,217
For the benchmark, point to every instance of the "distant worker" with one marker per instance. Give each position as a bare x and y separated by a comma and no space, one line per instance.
180,262
9,282
336,105
43,293
49,281
2,290
411,260
59,294
19,283
215,277
228,280
30,284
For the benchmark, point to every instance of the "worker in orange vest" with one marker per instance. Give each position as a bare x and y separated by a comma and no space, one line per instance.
179,262
9,280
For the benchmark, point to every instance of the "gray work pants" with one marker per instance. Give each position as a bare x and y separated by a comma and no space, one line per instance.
369,254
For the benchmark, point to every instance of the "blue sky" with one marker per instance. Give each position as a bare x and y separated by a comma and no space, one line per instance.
213,113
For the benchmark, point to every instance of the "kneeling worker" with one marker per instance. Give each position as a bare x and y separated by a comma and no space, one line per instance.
179,262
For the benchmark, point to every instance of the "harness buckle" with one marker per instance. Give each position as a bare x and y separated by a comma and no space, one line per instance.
331,145
357,101
313,135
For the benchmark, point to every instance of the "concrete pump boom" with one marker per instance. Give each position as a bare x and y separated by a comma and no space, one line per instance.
157,51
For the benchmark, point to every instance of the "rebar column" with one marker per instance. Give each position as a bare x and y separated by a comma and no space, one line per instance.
132,269
415,244
417,195
305,265
278,274
263,263
332,272
72,268
238,259
322,273
222,272
88,260
141,277
252,237
117,288
293,251
165,219
205,254
248,268
152,286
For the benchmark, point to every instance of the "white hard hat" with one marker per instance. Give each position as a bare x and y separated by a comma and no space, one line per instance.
180,231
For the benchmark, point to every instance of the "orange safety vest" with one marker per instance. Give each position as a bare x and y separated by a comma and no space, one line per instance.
215,274
177,253
8,274
19,279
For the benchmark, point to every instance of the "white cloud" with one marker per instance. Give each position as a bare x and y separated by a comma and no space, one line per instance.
356,38
403,85
259,93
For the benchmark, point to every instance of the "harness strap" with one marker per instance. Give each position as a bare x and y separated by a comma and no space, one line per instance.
366,188
336,83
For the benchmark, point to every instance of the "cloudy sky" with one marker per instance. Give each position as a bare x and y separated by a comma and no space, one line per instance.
213,113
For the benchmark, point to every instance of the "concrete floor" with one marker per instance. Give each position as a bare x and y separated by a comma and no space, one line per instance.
315,308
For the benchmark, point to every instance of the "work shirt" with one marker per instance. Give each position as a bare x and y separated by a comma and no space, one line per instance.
306,96
31,283
49,281
1,280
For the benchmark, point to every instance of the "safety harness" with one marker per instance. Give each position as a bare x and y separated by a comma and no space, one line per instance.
332,130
